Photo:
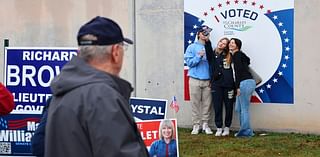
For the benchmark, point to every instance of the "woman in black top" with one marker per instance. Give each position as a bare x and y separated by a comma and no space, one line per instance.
222,84
245,86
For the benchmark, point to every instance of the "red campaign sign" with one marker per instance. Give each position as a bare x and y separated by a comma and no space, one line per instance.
149,130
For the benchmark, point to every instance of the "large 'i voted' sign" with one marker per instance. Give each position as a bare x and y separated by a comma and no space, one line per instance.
28,73
266,30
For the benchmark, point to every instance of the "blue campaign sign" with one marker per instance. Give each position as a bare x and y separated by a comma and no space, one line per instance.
16,133
148,109
28,73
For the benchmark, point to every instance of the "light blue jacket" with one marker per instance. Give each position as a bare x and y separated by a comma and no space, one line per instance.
198,67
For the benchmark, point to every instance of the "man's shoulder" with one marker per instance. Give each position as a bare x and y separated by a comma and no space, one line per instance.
194,47
97,85
105,90
194,44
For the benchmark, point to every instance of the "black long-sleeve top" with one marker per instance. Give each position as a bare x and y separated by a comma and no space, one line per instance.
241,67
220,75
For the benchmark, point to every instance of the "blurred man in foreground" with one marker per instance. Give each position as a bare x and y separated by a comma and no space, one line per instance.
89,115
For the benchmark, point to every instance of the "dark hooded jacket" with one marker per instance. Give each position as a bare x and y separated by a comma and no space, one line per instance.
37,140
90,116
220,76
241,67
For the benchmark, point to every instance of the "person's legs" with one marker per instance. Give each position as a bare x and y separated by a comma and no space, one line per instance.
217,97
228,98
206,101
246,89
195,97
206,105
245,128
238,108
228,102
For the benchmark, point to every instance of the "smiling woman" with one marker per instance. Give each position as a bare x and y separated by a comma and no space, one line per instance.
166,146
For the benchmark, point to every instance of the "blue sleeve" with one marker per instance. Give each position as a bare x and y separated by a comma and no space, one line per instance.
173,147
191,58
153,149
37,140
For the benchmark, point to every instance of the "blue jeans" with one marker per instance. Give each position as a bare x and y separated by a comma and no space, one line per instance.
247,87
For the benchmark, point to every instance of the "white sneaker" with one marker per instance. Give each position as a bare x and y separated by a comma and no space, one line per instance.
219,132
206,129
195,129
226,131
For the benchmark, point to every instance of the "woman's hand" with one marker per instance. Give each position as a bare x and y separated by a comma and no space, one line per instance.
238,92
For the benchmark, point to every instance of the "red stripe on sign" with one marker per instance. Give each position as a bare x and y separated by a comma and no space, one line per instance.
186,86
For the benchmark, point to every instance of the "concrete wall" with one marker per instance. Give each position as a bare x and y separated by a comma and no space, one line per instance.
159,29
48,23
159,39
155,64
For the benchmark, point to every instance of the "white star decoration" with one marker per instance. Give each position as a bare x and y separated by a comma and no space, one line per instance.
189,41
280,24
269,86
286,40
287,48
275,80
284,32
286,57
192,34
195,26
284,65
275,17
261,90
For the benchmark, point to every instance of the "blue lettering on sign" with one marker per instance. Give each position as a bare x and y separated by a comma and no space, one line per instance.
28,74
245,13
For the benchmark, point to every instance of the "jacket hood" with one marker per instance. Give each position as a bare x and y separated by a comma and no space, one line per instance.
77,73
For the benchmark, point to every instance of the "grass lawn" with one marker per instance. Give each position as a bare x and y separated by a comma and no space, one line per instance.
269,145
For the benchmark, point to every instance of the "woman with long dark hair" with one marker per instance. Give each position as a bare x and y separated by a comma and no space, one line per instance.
245,85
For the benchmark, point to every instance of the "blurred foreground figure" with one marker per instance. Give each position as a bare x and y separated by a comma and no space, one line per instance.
89,114
6,100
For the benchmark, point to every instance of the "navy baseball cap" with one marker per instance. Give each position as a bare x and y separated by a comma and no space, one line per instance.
205,29
106,30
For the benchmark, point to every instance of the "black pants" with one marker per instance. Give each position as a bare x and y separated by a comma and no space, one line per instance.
220,96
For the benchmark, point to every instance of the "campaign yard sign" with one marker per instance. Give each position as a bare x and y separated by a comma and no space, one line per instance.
148,109
149,130
28,72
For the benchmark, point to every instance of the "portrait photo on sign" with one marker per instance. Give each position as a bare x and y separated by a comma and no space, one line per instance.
160,137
